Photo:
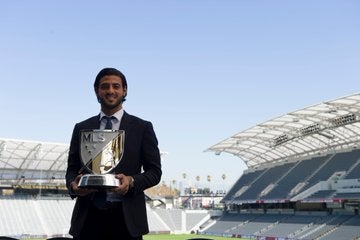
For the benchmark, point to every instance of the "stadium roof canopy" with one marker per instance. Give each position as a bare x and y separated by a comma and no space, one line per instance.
328,126
20,159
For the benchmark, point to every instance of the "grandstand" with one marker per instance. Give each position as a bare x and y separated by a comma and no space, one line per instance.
303,178
34,202
302,182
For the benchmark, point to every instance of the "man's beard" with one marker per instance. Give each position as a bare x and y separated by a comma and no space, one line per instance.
110,106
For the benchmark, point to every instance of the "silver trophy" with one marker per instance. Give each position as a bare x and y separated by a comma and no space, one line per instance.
101,151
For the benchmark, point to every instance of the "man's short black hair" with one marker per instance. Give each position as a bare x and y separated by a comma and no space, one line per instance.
107,72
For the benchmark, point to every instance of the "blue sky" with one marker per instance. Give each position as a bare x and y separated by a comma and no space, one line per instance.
200,71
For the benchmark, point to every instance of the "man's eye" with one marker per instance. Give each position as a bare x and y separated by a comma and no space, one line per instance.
104,86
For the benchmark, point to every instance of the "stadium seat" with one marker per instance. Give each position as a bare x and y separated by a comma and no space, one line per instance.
7,238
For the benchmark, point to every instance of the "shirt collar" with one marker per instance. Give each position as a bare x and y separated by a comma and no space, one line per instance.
118,115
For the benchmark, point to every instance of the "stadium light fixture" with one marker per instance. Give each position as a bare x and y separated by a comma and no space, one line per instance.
310,129
343,120
280,139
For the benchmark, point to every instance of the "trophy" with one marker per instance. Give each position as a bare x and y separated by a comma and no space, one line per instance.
101,151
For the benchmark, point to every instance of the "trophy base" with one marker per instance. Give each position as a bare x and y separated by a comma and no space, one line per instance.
106,181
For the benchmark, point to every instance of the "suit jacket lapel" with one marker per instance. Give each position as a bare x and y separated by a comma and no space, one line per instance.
125,121
94,122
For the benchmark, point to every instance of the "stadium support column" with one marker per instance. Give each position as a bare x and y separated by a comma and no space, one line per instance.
183,220
40,183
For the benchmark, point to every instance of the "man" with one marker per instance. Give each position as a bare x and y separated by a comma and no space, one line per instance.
122,215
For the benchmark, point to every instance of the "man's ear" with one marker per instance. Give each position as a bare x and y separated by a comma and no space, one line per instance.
97,95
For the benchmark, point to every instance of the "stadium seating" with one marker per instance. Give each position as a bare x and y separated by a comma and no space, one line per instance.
277,182
316,182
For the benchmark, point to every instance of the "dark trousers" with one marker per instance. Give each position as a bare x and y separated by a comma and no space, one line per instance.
105,224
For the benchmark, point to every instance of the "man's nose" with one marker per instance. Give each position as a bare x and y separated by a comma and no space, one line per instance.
111,89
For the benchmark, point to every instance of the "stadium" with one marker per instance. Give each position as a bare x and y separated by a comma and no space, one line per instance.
302,182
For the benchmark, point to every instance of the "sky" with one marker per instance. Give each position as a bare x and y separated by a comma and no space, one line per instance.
200,71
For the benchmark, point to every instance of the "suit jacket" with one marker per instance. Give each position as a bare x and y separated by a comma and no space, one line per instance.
141,152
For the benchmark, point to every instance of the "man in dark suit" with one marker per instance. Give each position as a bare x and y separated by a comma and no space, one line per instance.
122,215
